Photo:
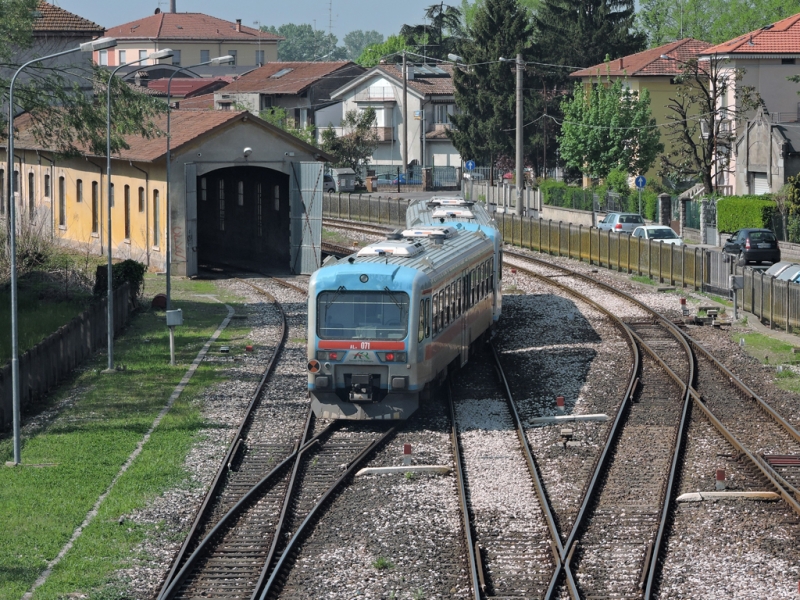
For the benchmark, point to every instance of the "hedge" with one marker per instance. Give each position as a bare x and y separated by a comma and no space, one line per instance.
736,212
557,193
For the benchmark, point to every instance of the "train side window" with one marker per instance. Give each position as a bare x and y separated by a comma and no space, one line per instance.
473,278
458,297
446,307
500,266
435,314
453,301
421,332
427,317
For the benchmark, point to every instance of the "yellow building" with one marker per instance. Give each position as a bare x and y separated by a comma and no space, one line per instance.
240,190
647,70
194,38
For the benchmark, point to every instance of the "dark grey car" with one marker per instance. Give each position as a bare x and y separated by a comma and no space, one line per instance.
621,222
753,245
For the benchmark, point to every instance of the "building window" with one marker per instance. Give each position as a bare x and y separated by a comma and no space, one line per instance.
122,57
259,216
79,190
787,61
205,56
46,185
233,54
203,189
156,219
127,207
143,56
259,57
16,183
222,205
241,193
62,202
176,58
111,196
31,199
141,199
103,56
277,197
95,208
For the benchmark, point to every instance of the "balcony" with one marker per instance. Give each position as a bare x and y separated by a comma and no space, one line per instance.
385,134
376,94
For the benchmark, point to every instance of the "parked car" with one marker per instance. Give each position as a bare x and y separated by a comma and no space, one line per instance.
474,176
659,233
385,179
621,222
753,245
413,180
779,267
790,274
328,184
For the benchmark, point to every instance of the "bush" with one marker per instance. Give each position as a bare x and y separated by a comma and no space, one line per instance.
736,212
129,271
556,193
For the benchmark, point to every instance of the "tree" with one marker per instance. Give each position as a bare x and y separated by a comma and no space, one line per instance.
609,127
356,41
485,122
700,132
713,21
439,35
277,116
390,49
354,148
304,43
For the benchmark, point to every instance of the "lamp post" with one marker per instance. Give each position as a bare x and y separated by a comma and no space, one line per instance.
99,44
165,53
221,60
520,64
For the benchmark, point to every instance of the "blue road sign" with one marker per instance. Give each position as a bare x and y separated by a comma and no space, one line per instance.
470,165
641,182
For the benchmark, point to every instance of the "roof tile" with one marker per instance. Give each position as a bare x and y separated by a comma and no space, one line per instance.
649,62
782,37
299,77
188,26
55,18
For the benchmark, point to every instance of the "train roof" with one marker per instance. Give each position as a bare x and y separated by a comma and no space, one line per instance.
447,209
433,251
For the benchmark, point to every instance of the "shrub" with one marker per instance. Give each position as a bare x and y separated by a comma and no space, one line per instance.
736,212
129,271
557,193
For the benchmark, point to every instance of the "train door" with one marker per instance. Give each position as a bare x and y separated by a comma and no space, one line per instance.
462,308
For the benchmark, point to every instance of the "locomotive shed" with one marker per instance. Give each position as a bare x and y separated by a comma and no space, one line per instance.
711,549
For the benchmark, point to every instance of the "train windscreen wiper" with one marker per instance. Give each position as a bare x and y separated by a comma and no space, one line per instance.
339,290
396,303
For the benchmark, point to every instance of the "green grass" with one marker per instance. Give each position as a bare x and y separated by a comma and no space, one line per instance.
335,237
773,352
642,279
90,439
382,563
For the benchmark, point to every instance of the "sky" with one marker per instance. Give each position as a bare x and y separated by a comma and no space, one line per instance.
383,16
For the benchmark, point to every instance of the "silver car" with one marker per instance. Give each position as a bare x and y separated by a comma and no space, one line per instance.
621,222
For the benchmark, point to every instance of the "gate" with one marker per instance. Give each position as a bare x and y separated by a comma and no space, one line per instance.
305,217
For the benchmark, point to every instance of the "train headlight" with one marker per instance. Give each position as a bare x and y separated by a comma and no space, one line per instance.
393,356
364,278
322,355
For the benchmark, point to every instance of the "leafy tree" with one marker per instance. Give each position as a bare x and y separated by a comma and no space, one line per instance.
391,49
609,127
277,116
356,41
582,33
354,148
440,34
713,21
485,93
304,43
699,132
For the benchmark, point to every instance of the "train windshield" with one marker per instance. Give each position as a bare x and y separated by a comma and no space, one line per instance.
344,315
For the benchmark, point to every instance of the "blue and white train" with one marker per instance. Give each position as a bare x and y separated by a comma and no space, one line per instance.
390,321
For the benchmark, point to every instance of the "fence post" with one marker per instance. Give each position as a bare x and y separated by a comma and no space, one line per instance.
788,297
558,240
664,209
569,239
771,301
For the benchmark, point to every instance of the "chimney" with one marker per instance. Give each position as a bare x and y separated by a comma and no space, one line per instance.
172,7
238,24
620,63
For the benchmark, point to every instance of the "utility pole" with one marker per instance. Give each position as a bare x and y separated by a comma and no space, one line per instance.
405,113
519,165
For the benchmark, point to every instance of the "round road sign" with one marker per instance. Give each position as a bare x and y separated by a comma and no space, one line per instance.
470,165
641,182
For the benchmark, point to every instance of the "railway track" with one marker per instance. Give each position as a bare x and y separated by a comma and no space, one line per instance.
363,228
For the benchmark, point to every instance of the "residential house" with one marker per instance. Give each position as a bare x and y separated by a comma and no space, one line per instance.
239,190
766,56
300,88
194,37
431,101
647,70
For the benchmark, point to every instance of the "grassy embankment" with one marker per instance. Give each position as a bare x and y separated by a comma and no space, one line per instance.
71,459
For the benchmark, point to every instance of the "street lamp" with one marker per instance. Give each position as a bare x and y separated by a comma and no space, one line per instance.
99,44
520,64
165,53
221,60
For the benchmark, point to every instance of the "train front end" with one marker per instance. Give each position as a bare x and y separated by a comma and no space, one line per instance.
360,359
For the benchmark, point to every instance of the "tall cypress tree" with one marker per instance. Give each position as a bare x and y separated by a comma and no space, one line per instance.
485,90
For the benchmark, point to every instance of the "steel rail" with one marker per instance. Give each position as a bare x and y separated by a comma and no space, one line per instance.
555,537
475,564
230,455
351,467
192,560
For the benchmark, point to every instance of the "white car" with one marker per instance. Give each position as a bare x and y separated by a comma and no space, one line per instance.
659,233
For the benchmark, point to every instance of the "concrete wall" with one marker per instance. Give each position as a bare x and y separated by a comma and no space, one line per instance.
190,51
567,215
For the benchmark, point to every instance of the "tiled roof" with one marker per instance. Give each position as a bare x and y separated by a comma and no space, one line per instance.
425,84
55,18
203,102
649,62
298,77
188,26
189,86
782,37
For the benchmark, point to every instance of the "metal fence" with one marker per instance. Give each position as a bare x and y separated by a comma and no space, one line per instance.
772,301
371,208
